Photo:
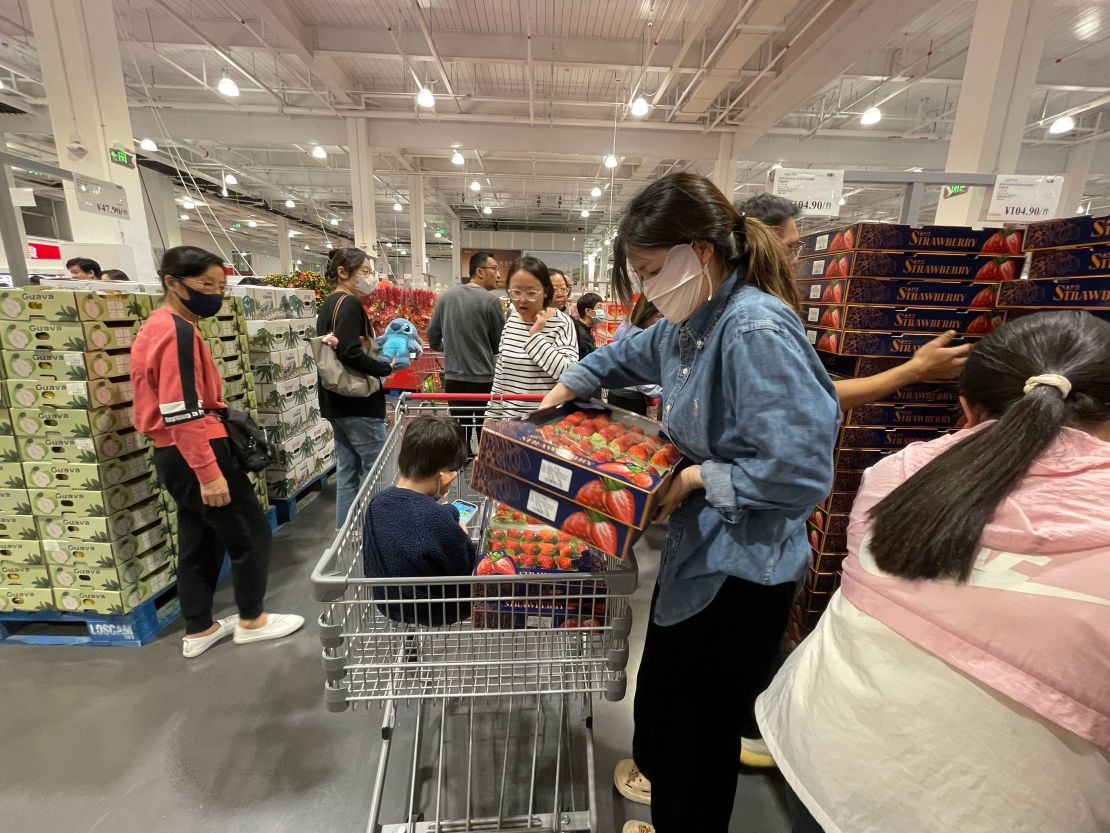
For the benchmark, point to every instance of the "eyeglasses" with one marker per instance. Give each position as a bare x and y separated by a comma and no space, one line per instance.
521,295
206,286
496,269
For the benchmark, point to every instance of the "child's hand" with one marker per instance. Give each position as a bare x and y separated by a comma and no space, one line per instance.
462,526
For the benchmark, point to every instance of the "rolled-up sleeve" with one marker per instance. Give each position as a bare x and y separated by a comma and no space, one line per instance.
786,419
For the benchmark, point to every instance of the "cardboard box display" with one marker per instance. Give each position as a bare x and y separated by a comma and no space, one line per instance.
62,527
20,552
839,503
284,425
10,478
851,343
904,319
854,367
267,368
915,265
266,336
846,480
859,458
24,599
1091,262
300,331
20,527
9,448
48,365
911,416
106,553
238,385
257,301
123,601
66,475
828,524
31,576
232,365
113,576
15,501
892,237
900,292
875,437
1084,293
283,396
225,348
36,393
95,503
98,449
48,422
214,328
76,336
1082,230
54,304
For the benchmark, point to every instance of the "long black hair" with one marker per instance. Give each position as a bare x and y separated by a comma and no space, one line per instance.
349,258
929,527
684,207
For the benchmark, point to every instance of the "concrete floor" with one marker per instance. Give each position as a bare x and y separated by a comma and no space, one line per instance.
122,740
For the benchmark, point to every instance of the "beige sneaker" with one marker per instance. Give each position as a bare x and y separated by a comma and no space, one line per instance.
754,753
194,646
631,783
637,827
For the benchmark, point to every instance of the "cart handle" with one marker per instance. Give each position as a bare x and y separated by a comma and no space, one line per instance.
477,397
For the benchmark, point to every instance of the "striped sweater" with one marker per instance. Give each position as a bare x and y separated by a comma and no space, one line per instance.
530,363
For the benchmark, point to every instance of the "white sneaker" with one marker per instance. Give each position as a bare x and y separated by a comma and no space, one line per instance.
755,753
194,646
277,625
631,783
637,827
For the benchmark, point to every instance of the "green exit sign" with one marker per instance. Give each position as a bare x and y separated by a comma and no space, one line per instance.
236,225
954,190
121,157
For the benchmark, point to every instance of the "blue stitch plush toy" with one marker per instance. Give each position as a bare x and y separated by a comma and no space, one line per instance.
399,342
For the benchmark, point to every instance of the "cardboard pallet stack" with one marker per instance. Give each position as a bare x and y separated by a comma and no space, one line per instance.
279,323
84,528
871,295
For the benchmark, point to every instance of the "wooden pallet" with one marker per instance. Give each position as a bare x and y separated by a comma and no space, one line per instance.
288,507
52,627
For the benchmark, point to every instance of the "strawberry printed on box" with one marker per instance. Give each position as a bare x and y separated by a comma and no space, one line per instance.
902,319
1081,293
897,291
853,343
892,237
1084,230
956,267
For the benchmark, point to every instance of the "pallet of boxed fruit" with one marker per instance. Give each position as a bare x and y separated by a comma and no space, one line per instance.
891,237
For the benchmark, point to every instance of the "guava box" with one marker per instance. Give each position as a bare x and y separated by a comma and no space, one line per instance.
1092,262
113,576
97,503
46,422
232,365
15,501
35,393
105,553
903,319
283,426
225,348
54,304
1083,230
10,478
221,327
295,303
20,552
30,576
1082,293
24,599
852,343
900,292
954,267
903,238
267,336
104,601
18,527
875,437
64,527
62,475
68,337
65,366
98,449
256,301
239,385
9,445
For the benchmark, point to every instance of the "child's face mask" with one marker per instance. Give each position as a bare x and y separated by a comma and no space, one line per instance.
445,481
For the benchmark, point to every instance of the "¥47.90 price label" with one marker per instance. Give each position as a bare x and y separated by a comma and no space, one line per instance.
1025,197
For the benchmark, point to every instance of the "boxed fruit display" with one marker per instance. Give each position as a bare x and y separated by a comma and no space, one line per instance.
10,478
1083,230
111,576
55,304
24,575
267,336
34,393
1082,293
899,292
20,552
65,527
954,267
905,319
15,501
48,365
889,236
851,343
96,503
68,337
1092,262
259,302
63,422
105,553
122,601
20,527
25,599
877,437
63,475
98,449
911,416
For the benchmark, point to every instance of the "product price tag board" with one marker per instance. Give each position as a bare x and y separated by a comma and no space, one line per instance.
1020,197
99,197
816,192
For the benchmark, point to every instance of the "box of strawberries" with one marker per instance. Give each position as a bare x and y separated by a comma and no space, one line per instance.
955,267
893,237
852,343
592,471
904,319
898,292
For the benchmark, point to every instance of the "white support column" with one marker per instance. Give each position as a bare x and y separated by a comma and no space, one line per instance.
162,217
284,248
456,250
724,172
1007,39
78,50
416,229
362,185
1077,170
603,266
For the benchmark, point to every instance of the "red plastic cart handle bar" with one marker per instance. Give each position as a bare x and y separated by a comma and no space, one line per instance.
477,397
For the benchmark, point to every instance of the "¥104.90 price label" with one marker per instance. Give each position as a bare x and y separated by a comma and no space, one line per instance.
817,206
817,192
1021,197
1025,212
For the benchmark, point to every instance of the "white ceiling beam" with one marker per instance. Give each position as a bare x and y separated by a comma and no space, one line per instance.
278,17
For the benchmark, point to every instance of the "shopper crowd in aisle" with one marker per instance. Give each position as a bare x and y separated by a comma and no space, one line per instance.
926,655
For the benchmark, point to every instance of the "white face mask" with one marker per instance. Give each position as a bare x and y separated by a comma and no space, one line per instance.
682,285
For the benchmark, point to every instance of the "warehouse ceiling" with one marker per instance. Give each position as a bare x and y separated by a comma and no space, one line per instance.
533,94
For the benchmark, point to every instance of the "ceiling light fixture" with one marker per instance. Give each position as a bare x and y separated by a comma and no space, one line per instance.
457,158
585,212
329,245
425,98
319,153
1080,210
404,252
290,204
388,245
595,192
843,200
223,191
611,161
148,145
334,221
230,179
252,223
487,210
292,233
188,203
397,206
306,247
228,87
640,107
872,115
475,185
1061,125
184,217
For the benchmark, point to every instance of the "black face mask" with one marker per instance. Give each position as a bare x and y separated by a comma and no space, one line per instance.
200,304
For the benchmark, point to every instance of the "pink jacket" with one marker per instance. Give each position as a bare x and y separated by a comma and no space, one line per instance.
1034,620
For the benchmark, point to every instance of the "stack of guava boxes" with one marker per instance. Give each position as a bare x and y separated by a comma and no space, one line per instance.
280,321
83,526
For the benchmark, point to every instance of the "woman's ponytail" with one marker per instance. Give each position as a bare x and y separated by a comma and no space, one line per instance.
768,265
350,258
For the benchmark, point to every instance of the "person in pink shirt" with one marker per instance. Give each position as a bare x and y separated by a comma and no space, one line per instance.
963,668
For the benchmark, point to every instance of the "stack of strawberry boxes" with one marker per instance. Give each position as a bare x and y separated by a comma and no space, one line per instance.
871,295
1069,268
83,527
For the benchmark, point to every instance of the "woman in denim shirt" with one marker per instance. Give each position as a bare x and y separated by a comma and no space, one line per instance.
748,402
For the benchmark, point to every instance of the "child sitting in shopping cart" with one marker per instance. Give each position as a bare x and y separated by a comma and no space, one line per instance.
408,533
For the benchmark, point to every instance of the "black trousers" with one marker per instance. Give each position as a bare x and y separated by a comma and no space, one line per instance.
468,414
205,533
637,403
693,692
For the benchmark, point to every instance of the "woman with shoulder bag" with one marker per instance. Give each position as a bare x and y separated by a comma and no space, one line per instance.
358,421
177,390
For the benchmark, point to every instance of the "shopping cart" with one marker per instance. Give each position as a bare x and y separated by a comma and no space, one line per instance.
422,374
494,709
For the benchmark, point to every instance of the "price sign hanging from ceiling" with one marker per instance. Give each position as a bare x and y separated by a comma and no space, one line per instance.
1021,198
817,192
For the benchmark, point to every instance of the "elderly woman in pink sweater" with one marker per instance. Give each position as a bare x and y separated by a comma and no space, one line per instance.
960,679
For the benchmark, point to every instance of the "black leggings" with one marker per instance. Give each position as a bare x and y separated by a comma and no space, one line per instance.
205,533
693,692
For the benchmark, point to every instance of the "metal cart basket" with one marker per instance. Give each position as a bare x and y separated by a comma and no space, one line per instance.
488,679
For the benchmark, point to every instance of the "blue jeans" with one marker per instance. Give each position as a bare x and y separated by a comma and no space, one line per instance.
357,443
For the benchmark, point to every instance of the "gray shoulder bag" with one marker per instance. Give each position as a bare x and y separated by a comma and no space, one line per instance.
336,376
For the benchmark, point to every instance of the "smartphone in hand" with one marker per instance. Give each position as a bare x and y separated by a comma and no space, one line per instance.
466,511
